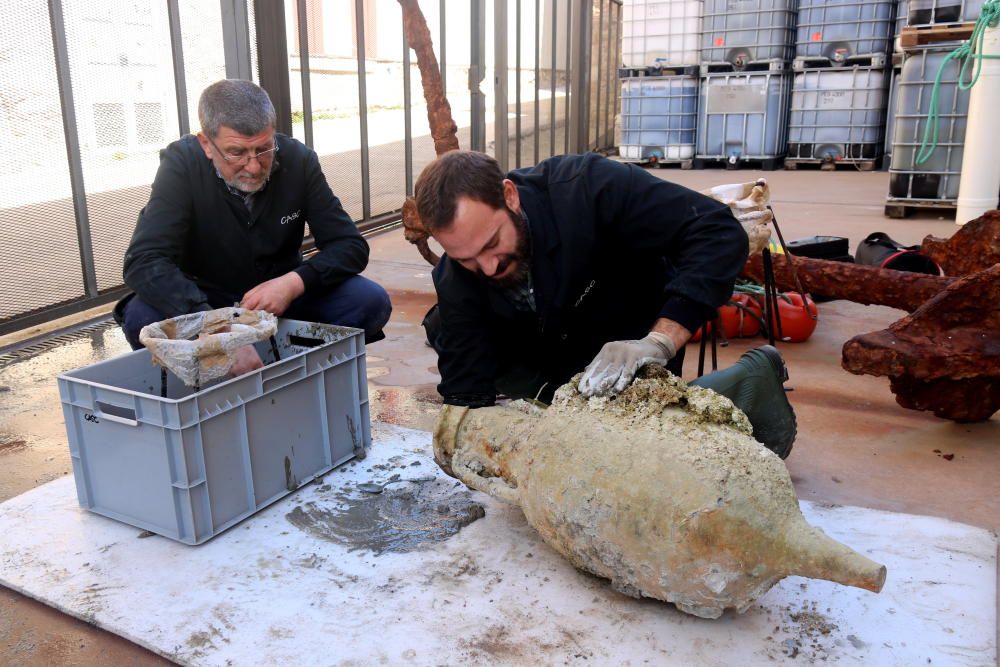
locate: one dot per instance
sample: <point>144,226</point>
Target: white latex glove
<point>613,369</point>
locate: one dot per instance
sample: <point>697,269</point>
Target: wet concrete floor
<point>855,445</point>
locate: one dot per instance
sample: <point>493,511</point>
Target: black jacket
<point>613,249</point>
<point>195,236</point>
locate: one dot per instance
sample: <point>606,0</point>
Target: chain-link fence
<point>91,90</point>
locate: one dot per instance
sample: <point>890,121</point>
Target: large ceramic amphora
<point>660,489</point>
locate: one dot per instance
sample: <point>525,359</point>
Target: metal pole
<point>407,120</point>
<point>552,79</point>
<point>359,28</point>
<point>538,51</point>
<point>580,117</point>
<point>477,72</point>
<point>517,86</point>
<point>600,66</point>
<point>177,55</point>
<point>307,120</point>
<point>66,103</point>
<point>444,50</point>
<point>569,59</point>
<point>272,60</point>
<point>236,39</point>
<point>501,140</point>
<point>614,48</point>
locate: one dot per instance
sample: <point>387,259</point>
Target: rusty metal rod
<point>867,285</point>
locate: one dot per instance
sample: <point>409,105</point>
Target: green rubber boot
<point>754,385</point>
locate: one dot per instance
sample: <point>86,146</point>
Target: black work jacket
<point>195,236</point>
<point>613,249</point>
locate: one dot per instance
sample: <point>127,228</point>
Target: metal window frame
<point>501,135</point>
<point>477,73</point>
<point>573,20</point>
<point>304,71</point>
<point>236,39</point>
<point>272,60</point>
<point>72,140</point>
<point>362,57</point>
<point>177,59</point>
<point>579,120</point>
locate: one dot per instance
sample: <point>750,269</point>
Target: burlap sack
<point>201,347</point>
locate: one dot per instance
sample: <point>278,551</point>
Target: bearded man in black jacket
<point>582,264</point>
<point>225,223</point>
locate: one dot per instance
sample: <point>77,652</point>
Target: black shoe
<point>755,385</point>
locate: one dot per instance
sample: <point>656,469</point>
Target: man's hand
<point>618,361</point>
<point>247,360</point>
<point>275,295</point>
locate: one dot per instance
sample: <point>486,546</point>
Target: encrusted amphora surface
<point>661,489</point>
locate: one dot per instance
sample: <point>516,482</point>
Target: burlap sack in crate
<point>201,347</point>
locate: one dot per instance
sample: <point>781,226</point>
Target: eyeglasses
<point>242,158</point>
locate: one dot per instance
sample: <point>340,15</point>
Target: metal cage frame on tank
<point>890,112</point>
<point>824,32</point>
<point>935,22</point>
<point>931,12</point>
<point>761,110</point>
<point>936,184</point>
<point>651,119</point>
<point>668,34</point>
<point>832,121</point>
<point>902,12</point>
<point>733,36</point>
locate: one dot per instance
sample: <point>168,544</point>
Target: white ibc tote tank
<point>657,33</point>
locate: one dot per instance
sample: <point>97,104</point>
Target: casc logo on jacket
<point>285,219</point>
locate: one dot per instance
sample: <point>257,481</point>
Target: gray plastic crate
<point>190,465</point>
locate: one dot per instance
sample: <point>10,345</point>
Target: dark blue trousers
<point>356,302</point>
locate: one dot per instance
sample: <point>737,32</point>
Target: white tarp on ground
<point>333,576</point>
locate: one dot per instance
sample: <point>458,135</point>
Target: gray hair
<point>238,104</point>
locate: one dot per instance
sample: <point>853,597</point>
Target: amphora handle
<point>463,460</point>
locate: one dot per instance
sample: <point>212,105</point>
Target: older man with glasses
<point>225,223</point>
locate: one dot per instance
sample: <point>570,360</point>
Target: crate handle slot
<point>304,341</point>
<point>116,413</point>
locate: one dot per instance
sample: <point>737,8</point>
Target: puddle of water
<point>398,520</point>
<point>33,444</point>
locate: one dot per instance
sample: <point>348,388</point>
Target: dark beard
<point>522,255</point>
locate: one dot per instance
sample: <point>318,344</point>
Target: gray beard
<point>243,187</point>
